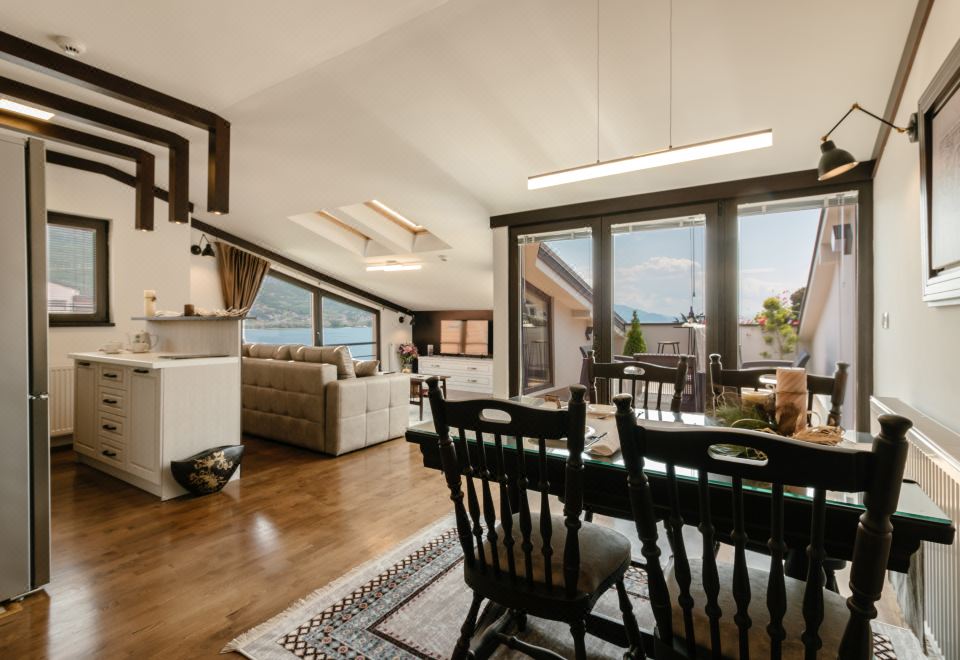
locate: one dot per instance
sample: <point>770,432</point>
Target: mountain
<point>626,313</point>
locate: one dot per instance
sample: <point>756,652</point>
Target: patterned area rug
<point>410,603</point>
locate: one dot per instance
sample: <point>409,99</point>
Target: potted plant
<point>408,353</point>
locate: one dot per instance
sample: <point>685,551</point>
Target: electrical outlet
<point>885,320</point>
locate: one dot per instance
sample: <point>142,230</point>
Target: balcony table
<point>917,518</point>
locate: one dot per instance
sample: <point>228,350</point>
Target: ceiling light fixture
<point>669,156</point>
<point>394,266</point>
<point>385,210</point>
<point>835,161</point>
<point>22,109</point>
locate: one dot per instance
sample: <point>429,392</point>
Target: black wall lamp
<point>202,250</point>
<point>834,161</point>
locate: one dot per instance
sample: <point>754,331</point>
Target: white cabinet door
<point>143,431</point>
<point>85,409</point>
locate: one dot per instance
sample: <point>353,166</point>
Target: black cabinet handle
<point>109,375</point>
<point>109,427</point>
<point>83,364</point>
<point>141,371</point>
<point>109,454</point>
<point>112,402</point>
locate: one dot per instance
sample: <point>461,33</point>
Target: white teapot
<point>142,342</point>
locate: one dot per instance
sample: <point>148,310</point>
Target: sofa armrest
<point>364,411</point>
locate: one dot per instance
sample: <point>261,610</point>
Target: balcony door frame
<point>719,201</point>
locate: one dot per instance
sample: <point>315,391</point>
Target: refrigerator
<point>24,421</point>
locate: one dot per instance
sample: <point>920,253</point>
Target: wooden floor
<point>136,578</point>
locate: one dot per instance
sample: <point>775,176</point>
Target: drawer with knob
<point>112,401</point>
<point>110,453</point>
<point>110,426</point>
<point>111,376</point>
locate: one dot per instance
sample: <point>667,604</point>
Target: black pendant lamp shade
<point>834,161</point>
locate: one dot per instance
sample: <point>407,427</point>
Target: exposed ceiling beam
<point>143,212</point>
<point>97,167</point>
<point>38,58</point>
<point>179,147</point>
<point>907,57</point>
<point>270,255</point>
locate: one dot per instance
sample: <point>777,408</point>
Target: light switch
<point>885,320</point>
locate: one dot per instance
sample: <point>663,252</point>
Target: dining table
<point>916,520</point>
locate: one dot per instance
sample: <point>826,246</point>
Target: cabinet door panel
<point>85,409</point>
<point>143,430</point>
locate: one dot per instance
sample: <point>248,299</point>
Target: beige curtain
<point>241,275</point>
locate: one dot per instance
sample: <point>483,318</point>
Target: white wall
<point>158,260</point>
<point>917,358</point>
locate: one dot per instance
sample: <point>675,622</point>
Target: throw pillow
<point>344,362</point>
<point>365,368</point>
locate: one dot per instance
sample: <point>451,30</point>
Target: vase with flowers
<point>408,353</point>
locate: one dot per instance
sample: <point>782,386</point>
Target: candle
<point>791,412</point>
<point>149,303</point>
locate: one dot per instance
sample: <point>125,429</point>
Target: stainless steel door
<point>15,481</point>
<point>39,400</point>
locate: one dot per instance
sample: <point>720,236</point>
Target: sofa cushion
<point>335,355</point>
<point>272,351</point>
<point>365,368</point>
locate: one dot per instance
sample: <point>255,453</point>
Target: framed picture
<point>939,136</point>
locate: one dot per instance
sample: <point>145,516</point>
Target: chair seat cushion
<point>604,553</point>
<point>835,614</point>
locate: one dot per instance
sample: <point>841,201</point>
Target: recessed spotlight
<point>28,110</point>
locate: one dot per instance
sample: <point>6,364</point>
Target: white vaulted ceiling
<point>441,109</point>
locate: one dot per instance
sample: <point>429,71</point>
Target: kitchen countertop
<point>150,360</point>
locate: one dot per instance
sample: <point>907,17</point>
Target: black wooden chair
<point>639,379</point>
<point>748,379</point>
<point>534,563</point>
<point>706,608</point>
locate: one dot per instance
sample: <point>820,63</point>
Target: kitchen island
<point>136,412</point>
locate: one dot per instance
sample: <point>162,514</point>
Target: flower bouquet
<point>408,353</point>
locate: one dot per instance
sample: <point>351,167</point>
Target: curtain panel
<point>241,275</point>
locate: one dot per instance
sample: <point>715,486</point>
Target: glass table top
<point>913,503</point>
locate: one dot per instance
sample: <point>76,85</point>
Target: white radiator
<point>61,400</point>
<point>935,465</point>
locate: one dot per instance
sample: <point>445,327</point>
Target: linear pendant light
<point>670,156</point>
<point>23,109</point>
<point>700,150</point>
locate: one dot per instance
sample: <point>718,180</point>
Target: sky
<point>652,268</point>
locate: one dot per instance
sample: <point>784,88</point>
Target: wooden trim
<point>391,215</point>
<point>907,57</point>
<point>756,189</point>
<point>101,228</point>
<point>342,225</point>
<point>179,147</point>
<point>30,55</point>
<point>97,167</point>
<point>143,214</point>
<point>294,265</point>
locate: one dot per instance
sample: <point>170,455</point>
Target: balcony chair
<point>707,608</point>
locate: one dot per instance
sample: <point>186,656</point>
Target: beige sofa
<point>310,396</point>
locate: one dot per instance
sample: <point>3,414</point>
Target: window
<point>288,311</point>
<point>350,324</point>
<point>283,313</point>
<point>77,270</point>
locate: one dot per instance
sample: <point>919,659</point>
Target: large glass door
<point>556,300</point>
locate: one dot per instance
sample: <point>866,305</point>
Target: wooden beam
<point>38,58</point>
<point>97,167</point>
<point>907,57</point>
<point>295,265</point>
<point>801,183</point>
<point>179,147</point>
<point>143,213</point>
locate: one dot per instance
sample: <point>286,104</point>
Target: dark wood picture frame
<point>101,313</point>
<point>941,285</point>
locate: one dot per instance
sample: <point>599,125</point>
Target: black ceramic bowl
<point>208,471</point>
